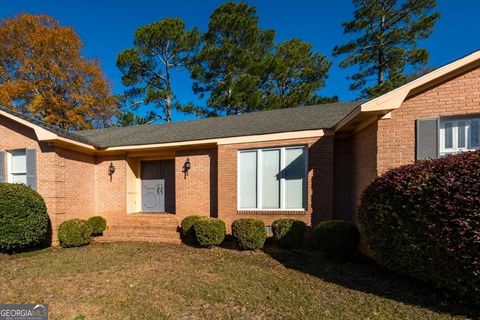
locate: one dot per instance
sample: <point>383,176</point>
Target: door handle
<point>161,190</point>
<point>158,190</point>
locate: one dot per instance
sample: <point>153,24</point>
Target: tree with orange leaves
<point>42,73</point>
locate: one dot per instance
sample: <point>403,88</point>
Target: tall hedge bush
<point>423,219</point>
<point>24,220</point>
<point>249,233</point>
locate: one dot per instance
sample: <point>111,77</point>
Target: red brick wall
<point>319,186</point>
<point>110,194</point>
<point>364,161</point>
<point>74,175</point>
<point>343,183</point>
<point>395,137</point>
<point>196,192</point>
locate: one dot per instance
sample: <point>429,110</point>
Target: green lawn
<point>160,281</point>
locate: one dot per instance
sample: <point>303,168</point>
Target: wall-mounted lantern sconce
<point>187,166</point>
<point>111,170</point>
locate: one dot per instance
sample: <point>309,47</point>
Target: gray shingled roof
<point>262,122</point>
<point>324,116</point>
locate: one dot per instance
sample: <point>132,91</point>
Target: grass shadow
<point>230,244</point>
<point>364,275</point>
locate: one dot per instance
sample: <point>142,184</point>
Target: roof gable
<point>380,106</point>
<point>43,131</point>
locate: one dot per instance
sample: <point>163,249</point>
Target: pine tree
<point>240,69</point>
<point>159,49</point>
<point>297,73</point>
<point>387,32</point>
<point>232,65</point>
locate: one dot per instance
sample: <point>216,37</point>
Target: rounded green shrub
<point>209,232</point>
<point>74,233</point>
<point>99,224</point>
<point>186,228</point>
<point>423,220</point>
<point>249,233</point>
<point>337,239</point>
<point>289,233</point>
<point>24,222</point>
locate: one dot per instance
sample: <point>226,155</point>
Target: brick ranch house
<point>309,163</point>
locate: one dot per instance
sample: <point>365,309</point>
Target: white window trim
<point>10,173</point>
<point>282,180</point>
<point>455,149</point>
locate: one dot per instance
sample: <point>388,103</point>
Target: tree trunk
<point>231,109</point>
<point>381,67</point>
<point>168,100</point>
<point>168,109</point>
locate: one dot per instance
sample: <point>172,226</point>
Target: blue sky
<point>107,27</point>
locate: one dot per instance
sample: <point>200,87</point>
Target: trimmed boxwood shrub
<point>249,233</point>
<point>423,220</point>
<point>289,233</point>
<point>209,232</point>
<point>99,224</point>
<point>186,228</point>
<point>337,239</point>
<point>74,233</point>
<point>24,222</point>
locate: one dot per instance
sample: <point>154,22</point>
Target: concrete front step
<point>142,227</point>
<point>165,228</point>
<point>140,233</point>
<point>153,220</point>
<point>167,234</point>
<point>138,238</point>
<point>159,238</point>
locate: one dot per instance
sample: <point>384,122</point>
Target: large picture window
<point>459,134</point>
<point>272,179</point>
